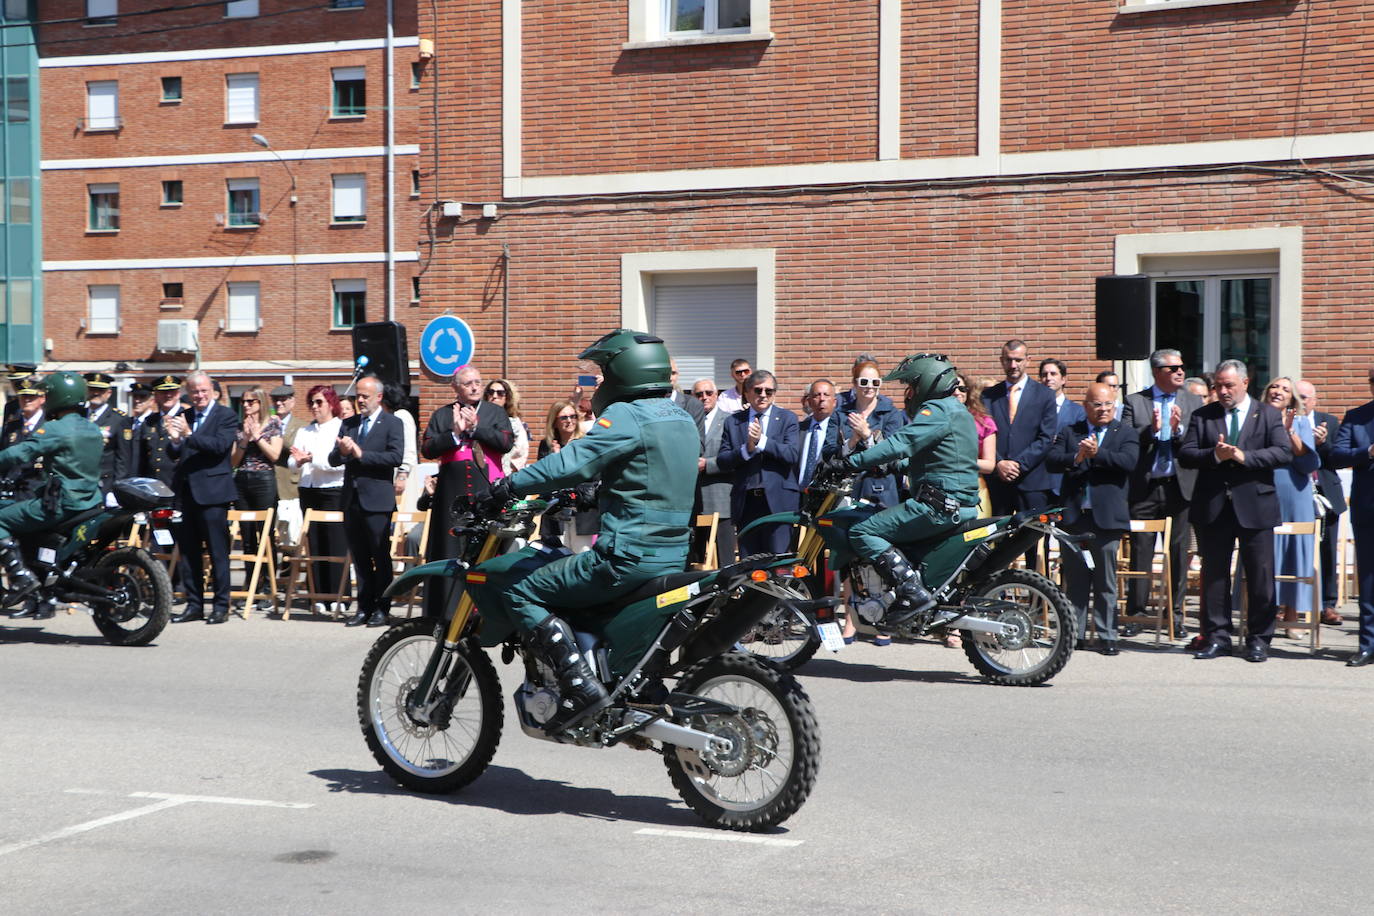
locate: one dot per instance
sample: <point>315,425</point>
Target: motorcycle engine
<point>869,608</point>
<point>535,704</point>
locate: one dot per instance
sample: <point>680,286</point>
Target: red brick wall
<point>1080,75</point>
<point>940,78</point>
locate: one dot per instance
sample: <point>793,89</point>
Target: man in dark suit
<point>371,445</point>
<point>690,404</point>
<point>151,447</point>
<point>112,424</point>
<point>201,440</point>
<point>820,436</point>
<point>1234,444</point>
<point>759,444</point>
<point>1053,374</point>
<point>467,438</point>
<point>713,484</point>
<point>1354,449</point>
<point>1027,420</point>
<point>1160,486</point>
<point>1324,429</point>
<point>1096,456</point>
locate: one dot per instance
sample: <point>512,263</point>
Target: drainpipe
<point>390,188</point>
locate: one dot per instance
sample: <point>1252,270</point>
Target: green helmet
<point>64,390</point>
<point>930,375</point>
<point>633,365</point>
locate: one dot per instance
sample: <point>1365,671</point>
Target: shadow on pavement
<point>510,790</point>
<point>38,636</point>
<point>867,674</point>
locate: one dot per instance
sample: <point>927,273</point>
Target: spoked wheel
<point>143,597</point>
<point>1039,640</point>
<point>456,746</point>
<point>765,762</point>
<point>786,637</point>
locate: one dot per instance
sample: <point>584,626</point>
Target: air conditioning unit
<point>177,336</point>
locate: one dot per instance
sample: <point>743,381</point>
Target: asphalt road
<point>222,771</point>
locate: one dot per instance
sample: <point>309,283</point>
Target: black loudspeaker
<point>1123,317</point>
<point>384,345</point>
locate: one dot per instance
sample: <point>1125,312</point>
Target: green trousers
<point>585,580</point>
<point>24,517</point>
<point>904,523</point>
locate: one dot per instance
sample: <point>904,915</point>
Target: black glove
<point>838,467</point>
<point>498,496</point>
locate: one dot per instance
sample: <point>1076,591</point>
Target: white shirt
<point>1244,407</point>
<point>763,439</point>
<point>817,430</point>
<point>730,401</point>
<point>408,456</point>
<point>319,440</point>
<point>33,421</point>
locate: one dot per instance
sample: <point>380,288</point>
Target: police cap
<point>99,380</point>
<point>17,372</point>
<point>31,385</point>
<point>166,383</point>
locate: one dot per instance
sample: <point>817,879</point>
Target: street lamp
<point>260,140</point>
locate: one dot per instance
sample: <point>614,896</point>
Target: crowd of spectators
<point>1199,450</point>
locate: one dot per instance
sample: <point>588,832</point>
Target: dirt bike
<point>739,738</point>
<point>1016,625</point>
<point>127,592</point>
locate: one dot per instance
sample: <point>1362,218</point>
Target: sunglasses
<point>496,392</point>
<point>565,416</point>
<point>769,392</point>
<point>702,394</point>
<point>869,382</point>
<point>250,400</point>
<point>961,388</point>
<point>318,402</point>
<point>1178,368</point>
<point>743,371</point>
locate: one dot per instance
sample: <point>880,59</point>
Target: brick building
<point>215,184</point>
<point>796,181</point>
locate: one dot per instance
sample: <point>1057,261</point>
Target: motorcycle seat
<point>660,584</point>
<point>82,517</point>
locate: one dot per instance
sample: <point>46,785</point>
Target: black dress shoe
<point>1257,651</point>
<point>1212,650</point>
<point>189,615</point>
<point>357,619</point>
<point>1130,629</point>
<point>1080,645</point>
<point>1361,659</point>
<point>219,615</point>
<point>45,610</point>
<point>378,619</point>
<point>1109,647</point>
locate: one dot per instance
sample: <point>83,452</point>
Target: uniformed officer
<point>151,447</point>
<point>29,415</point>
<point>644,449</point>
<point>15,373</point>
<point>71,448</point>
<point>111,422</point>
<point>940,448</point>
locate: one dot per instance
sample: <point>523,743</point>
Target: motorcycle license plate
<point>830,635</point>
<point>162,537</point>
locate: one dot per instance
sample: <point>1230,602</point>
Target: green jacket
<point>71,447</point>
<point>939,446</point>
<point>645,454</point>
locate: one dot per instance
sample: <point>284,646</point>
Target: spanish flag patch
<point>925,411</point>
<point>476,578</point>
<point>604,422</point>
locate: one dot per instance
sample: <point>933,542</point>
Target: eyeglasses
<point>744,371</point>
<point>1178,368</point>
<point>318,402</point>
<point>1100,405</point>
<point>565,416</point>
<point>864,382</point>
<point>767,392</point>
<point>702,394</point>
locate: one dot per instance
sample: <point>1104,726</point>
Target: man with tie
<point>690,404</point>
<point>201,440</point>
<point>1096,455</point>
<point>1160,486</point>
<point>759,444</point>
<point>112,424</point>
<point>371,445</point>
<point>713,484</point>
<point>1324,429</point>
<point>1053,374</point>
<point>1234,444</point>
<point>821,437</point>
<point>1354,449</point>
<point>1027,420</point>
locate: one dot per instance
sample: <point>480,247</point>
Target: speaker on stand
<point>384,345</point>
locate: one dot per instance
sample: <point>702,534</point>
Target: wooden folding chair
<point>253,562</point>
<point>401,524</point>
<point>711,523</point>
<point>1161,579</point>
<point>1313,613</point>
<point>304,561</point>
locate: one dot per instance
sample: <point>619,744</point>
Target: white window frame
<point>1149,6</point>
<point>232,185</point>
<point>345,285</point>
<point>239,294</point>
<point>637,272</point>
<point>342,187</point>
<point>648,27</point>
<point>339,75</point>
<point>101,189</point>
<point>107,322</point>
<point>240,9</point>
<point>102,12</point>
<point>102,116</point>
<point>236,87</point>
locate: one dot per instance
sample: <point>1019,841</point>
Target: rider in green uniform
<point>644,450</point>
<point>71,448</point>
<point>939,447</point>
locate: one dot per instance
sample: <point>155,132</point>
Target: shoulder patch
<point>38,431</point>
<point>925,411</point>
<point>604,422</point>
<point>128,433</point>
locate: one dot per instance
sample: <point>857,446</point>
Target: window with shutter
<point>350,303</point>
<point>104,309</point>
<point>350,198</point>
<point>706,320</point>
<point>102,12</point>
<point>241,98</point>
<point>243,307</point>
<point>103,213</point>
<point>243,202</point>
<point>102,105</point>
<point>350,92</point>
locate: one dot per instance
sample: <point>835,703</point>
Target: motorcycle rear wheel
<point>1044,647</point>
<point>147,590</point>
<point>775,745</point>
<point>428,758</point>
<point>786,638</point>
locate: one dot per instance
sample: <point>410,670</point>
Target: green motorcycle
<point>739,737</point>
<point>1016,625</point>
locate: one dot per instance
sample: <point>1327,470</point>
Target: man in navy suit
<point>1354,449</point>
<point>201,440</point>
<point>1096,456</point>
<point>371,445</point>
<point>760,445</point>
<point>1235,443</point>
<point>820,438</point>
<point>1324,429</point>
<point>1027,420</point>
<point>1053,375</point>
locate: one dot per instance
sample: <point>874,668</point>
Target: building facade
<point>797,182</point>
<point>20,216</point>
<point>227,186</point>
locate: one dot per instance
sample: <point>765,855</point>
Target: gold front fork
<point>811,544</point>
<point>464,609</point>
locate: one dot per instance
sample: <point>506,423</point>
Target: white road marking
<point>721,837</point>
<point>164,801</point>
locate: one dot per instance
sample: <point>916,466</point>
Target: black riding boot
<point>22,582</point>
<point>910,595</point>
<point>580,690</point>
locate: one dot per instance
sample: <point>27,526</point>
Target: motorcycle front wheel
<point>786,637</point>
<point>1040,637</point>
<point>143,593</point>
<point>769,752</point>
<point>452,750</point>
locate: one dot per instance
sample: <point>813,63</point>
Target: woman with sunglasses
<point>505,395</point>
<point>321,484</point>
<point>987,439</point>
<point>255,457</point>
<point>561,427</point>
